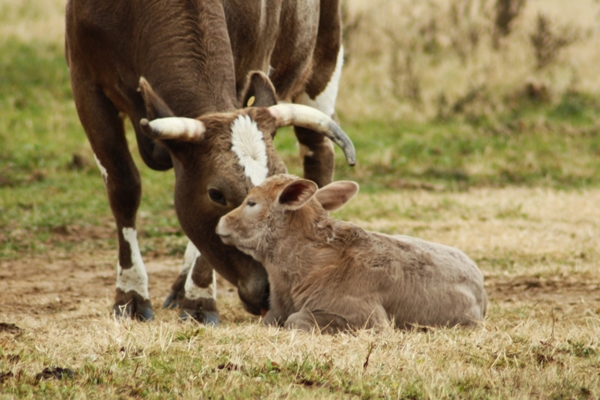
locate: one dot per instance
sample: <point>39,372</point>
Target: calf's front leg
<point>323,321</point>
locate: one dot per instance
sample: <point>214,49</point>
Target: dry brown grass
<point>32,20</point>
<point>446,48</point>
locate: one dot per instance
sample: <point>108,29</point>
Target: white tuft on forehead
<point>249,145</point>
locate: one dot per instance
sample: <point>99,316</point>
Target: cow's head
<point>218,158</point>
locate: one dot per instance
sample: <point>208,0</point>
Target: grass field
<point>510,178</point>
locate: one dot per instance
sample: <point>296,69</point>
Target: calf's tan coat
<point>334,275</point>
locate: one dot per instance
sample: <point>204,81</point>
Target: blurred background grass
<point>439,95</point>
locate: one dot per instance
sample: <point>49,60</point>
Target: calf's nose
<point>223,231</point>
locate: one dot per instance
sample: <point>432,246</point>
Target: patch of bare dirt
<point>69,286</point>
<point>553,291</point>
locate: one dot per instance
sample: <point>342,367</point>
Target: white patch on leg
<point>134,278</point>
<point>195,292</point>
<point>325,101</point>
<point>189,257</point>
<point>249,145</point>
<point>102,169</point>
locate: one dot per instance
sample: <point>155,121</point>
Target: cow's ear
<point>259,91</point>
<point>155,106</point>
<point>333,196</point>
<point>297,193</point>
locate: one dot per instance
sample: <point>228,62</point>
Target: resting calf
<point>334,275</point>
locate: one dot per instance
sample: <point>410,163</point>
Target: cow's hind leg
<point>317,151</point>
<point>194,290</point>
<point>321,93</point>
<point>105,130</point>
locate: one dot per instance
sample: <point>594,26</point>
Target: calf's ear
<point>259,91</point>
<point>297,193</point>
<point>336,194</point>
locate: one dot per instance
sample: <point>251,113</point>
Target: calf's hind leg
<point>106,134</point>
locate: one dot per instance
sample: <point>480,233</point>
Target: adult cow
<point>197,59</point>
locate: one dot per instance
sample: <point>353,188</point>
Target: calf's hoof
<point>132,305</point>
<point>202,310</point>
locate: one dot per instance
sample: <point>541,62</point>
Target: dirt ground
<point>61,288</point>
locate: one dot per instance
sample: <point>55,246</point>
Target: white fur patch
<point>102,169</point>
<point>189,257</point>
<point>325,101</point>
<point>194,292</point>
<point>249,145</point>
<point>134,278</point>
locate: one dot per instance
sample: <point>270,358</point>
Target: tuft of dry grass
<point>463,57</point>
<point>32,20</point>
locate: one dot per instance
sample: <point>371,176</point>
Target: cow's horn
<point>176,128</point>
<point>311,118</point>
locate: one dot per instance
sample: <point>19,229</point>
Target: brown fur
<point>323,271</point>
<point>197,55</point>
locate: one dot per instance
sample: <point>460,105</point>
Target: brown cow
<point>199,55</point>
<point>334,275</point>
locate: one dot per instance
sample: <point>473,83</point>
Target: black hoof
<point>203,316</point>
<point>132,305</point>
<point>172,300</point>
<point>211,318</point>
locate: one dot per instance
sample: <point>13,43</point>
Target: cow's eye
<point>217,196</point>
<point>250,203</point>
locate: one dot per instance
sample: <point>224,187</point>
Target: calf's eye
<point>217,196</point>
<point>250,203</point>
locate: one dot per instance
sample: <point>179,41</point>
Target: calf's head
<point>281,205</point>
<point>218,158</point>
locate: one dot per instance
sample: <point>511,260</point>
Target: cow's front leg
<point>106,134</point>
<point>132,298</point>
<point>177,293</point>
<point>198,297</point>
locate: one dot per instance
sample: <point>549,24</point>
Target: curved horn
<point>311,118</point>
<point>177,128</point>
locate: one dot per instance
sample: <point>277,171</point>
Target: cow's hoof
<point>132,305</point>
<point>177,293</point>
<point>172,300</point>
<point>202,310</point>
<point>211,318</point>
